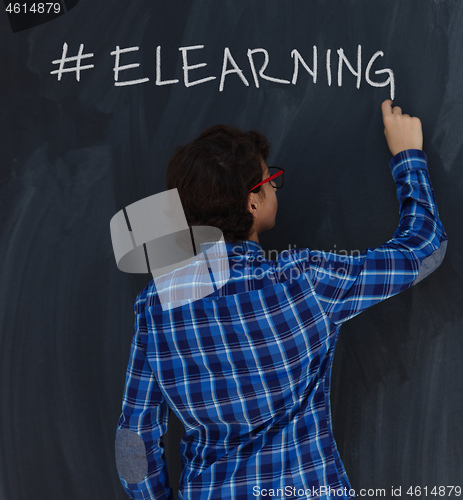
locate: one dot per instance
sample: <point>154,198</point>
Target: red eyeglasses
<point>276,178</point>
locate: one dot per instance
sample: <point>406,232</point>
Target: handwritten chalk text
<point>258,60</point>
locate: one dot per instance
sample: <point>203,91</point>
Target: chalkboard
<point>94,101</point>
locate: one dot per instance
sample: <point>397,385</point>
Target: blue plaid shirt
<point>247,368</point>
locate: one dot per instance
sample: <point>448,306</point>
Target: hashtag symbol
<point>78,58</point>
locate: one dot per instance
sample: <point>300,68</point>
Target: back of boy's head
<point>213,175</point>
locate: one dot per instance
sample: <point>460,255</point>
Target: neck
<point>254,237</point>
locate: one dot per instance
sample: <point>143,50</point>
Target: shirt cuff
<point>407,160</point>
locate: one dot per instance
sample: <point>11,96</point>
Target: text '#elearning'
<point>258,59</point>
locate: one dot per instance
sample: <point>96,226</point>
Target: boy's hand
<point>401,131</point>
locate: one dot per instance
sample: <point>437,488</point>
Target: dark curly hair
<point>213,175</point>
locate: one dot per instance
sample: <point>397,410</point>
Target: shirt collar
<point>246,247</point>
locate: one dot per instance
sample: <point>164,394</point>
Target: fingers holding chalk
<point>401,130</point>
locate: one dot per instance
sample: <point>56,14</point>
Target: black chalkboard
<point>78,146</point>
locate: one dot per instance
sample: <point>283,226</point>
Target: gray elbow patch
<point>429,264</point>
<point>131,462</point>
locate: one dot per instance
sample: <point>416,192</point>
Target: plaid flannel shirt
<point>247,368</point>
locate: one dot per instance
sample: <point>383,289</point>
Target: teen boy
<point>247,368</point>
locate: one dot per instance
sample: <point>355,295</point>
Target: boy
<point>247,368</point>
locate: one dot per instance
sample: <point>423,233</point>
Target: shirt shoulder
<point>143,296</point>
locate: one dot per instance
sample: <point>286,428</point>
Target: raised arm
<point>348,285</point>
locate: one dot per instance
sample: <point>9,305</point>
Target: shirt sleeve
<point>347,285</point>
<point>139,451</point>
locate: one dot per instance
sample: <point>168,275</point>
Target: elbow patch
<point>131,462</point>
<point>431,263</point>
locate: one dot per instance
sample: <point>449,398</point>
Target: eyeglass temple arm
<point>267,180</point>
